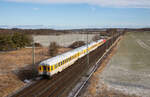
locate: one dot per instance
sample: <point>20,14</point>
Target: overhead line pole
<point>87,51</point>
<point>33,52</point>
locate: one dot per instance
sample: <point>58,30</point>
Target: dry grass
<point>18,61</point>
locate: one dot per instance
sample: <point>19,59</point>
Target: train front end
<point>44,70</point>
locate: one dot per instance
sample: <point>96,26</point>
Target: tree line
<point>34,31</point>
<point>14,41</point>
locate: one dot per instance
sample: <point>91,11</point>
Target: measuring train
<point>56,64</point>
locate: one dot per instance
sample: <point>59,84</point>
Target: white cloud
<point>35,8</point>
<point>107,3</point>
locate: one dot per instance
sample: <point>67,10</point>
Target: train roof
<point>65,55</point>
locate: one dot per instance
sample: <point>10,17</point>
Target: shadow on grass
<point>27,73</point>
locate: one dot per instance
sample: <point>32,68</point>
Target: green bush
<point>6,43</point>
<point>14,41</point>
<point>21,40</point>
<point>77,44</point>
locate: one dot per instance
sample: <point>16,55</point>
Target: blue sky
<point>75,14</point>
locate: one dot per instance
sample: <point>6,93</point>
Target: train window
<point>51,68</point>
<point>40,68</point>
<point>55,66</point>
<point>44,67</point>
<point>48,68</point>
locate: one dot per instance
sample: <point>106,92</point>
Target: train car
<point>56,64</point>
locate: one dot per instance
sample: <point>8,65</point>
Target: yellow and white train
<point>56,64</point>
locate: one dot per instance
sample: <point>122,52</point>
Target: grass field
<point>129,68</point>
<point>63,40</point>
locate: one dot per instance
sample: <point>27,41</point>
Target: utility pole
<point>33,52</point>
<point>87,50</point>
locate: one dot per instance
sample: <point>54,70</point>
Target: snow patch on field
<point>129,88</point>
<point>142,44</point>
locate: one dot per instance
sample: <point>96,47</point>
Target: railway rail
<point>77,92</point>
<point>60,84</point>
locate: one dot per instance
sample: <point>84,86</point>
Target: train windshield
<point>44,67</point>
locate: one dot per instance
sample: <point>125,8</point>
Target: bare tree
<point>53,49</point>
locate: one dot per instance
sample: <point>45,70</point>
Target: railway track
<point>60,84</point>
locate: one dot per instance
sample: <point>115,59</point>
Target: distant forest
<point>59,32</point>
<point>33,31</point>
